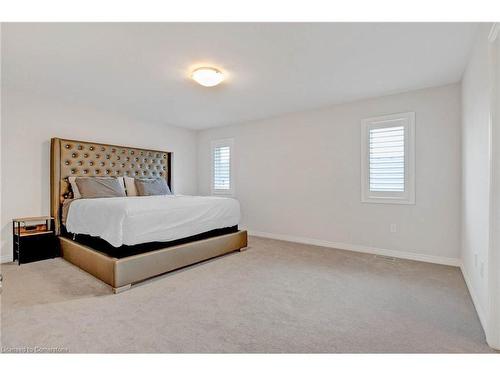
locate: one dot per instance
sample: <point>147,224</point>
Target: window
<point>388,159</point>
<point>222,171</point>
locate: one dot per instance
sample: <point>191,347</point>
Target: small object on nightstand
<point>34,239</point>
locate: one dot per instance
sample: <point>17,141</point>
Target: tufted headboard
<point>80,158</point>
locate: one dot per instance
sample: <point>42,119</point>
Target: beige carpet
<point>275,297</point>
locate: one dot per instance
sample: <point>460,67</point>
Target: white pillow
<point>76,192</point>
<point>130,185</point>
<point>74,187</point>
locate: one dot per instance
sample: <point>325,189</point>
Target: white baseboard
<point>360,248</point>
<point>6,258</point>
<point>475,300</point>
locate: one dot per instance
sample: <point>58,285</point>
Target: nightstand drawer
<point>39,247</point>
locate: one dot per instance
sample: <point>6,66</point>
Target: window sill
<point>222,193</point>
<point>388,201</point>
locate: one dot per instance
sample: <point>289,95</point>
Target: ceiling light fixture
<point>207,77</point>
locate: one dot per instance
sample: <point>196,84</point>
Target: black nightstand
<point>34,239</point>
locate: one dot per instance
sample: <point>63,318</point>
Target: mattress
<point>137,220</point>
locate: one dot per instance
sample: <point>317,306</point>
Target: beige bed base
<point>121,273</point>
<point>79,158</point>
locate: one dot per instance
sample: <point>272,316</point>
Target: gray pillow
<point>152,186</point>
<point>100,187</point>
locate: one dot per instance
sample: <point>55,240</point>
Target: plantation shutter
<point>387,159</point>
<point>222,168</point>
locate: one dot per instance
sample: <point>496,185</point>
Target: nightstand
<point>34,239</point>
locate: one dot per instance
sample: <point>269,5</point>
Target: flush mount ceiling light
<point>207,77</point>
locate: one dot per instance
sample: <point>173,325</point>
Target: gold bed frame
<point>81,158</point>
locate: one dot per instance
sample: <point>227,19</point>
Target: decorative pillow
<point>76,192</point>
<point>152,186</point>
<point>74,187</point>
<point>100,187</point>
<point>130,186</point>
<point>65,210</point>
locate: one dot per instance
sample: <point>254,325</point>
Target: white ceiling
<point>142,69</point>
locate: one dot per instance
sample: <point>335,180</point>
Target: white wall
<point>28,123</point>
<point>494,258</point>
<point>476,148</point>
<point>299,175</point>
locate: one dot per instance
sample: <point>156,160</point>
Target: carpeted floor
<point>275,297</point>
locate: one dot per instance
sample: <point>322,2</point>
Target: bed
<point>124,240</point>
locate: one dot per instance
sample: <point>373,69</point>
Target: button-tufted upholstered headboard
<point>81,158</point>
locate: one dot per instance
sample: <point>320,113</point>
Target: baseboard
<point>6,258</point>
<point>475,300</point>
<point>360,248</point>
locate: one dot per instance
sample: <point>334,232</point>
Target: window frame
<point>387,121</point>
<point>229,142</point>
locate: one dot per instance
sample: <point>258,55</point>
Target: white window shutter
<point>387,159</point>
<point>222,168</point>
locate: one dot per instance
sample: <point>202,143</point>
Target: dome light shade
<point>207,77</point>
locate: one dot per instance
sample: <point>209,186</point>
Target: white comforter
<point>135,220</point>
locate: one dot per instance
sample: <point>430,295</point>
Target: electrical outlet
<point>394,229</point>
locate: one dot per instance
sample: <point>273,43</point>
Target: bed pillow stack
<point>152,186</point>
<point>106,187</point>
<point>98,187</point>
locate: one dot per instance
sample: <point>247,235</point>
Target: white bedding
<point>135,220</point>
